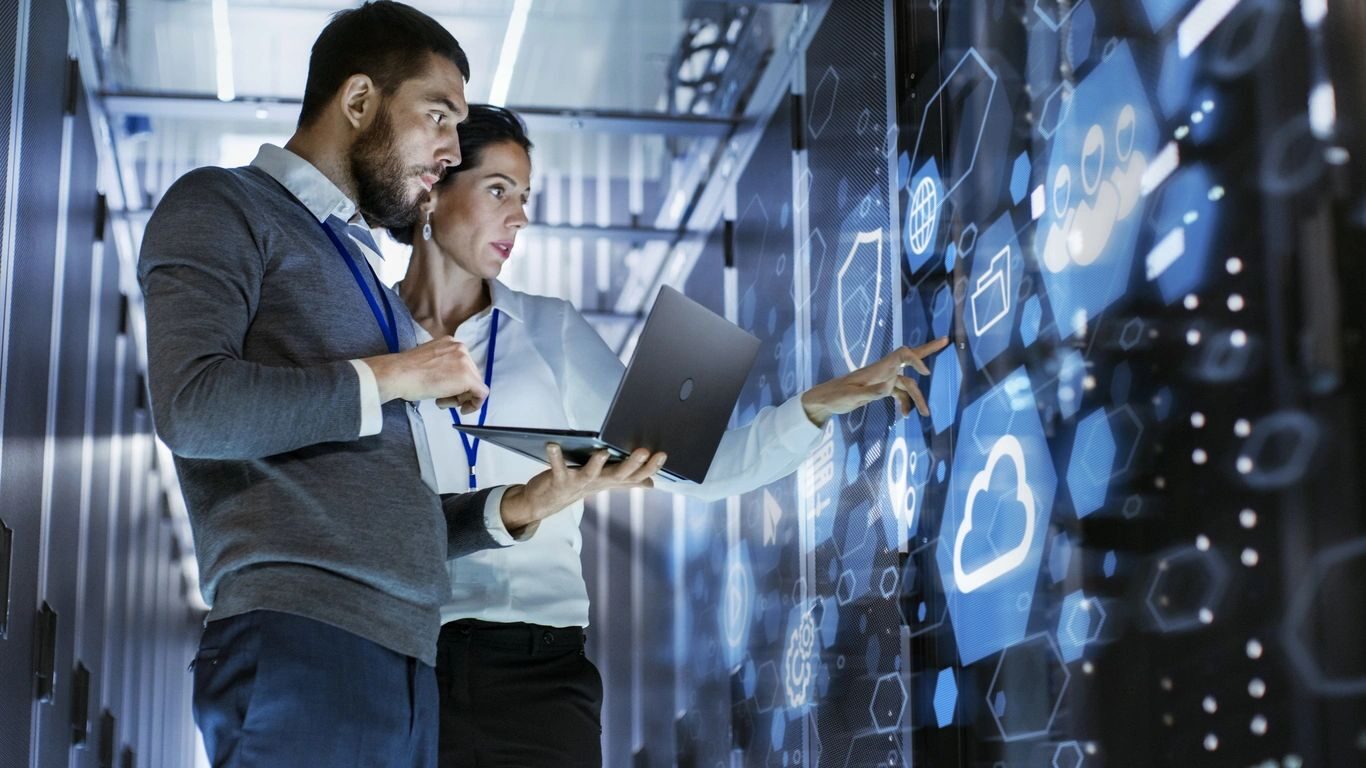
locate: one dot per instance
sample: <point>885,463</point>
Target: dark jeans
<point>517,695</point>
<point>273,689</point>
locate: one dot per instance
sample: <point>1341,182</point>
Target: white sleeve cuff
<point>493,520</point>
<point>371,416</point>
<point>793,428</point>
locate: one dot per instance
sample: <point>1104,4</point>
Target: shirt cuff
<point>793,427</point>
<point>493,520</point>
<point>371,415</point>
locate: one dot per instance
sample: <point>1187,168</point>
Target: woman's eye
<point>437,117</point>
<point>497,192</point>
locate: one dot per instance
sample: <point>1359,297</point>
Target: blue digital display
<point>1077,558</point>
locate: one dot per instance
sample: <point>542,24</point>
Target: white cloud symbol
<point>1009,447</point>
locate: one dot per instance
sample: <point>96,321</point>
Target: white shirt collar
<point>306,182</point>
<point>506,300</point>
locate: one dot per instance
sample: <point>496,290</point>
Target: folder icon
<point>991,297</point>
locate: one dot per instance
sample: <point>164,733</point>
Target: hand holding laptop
<point>562,485</point>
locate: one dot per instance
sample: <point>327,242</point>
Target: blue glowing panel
<point>1093,458</point>
<point>945,381</point>
<point>996,518</point>
<point>926,190</point>
<point>993,294</point>
<point>1085,240</point>
<point>945,697</point>
<point>1186,219</point>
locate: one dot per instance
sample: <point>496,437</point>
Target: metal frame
<point>195,106</point>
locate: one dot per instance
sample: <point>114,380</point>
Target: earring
<point>427,227</point>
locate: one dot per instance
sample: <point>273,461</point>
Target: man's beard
<point>381,180</point>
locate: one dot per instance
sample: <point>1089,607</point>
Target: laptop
<point>676,396</point>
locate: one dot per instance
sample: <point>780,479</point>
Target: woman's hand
<point>561,485</point>
<point>874,382</point>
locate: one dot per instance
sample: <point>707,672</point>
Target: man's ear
<point>359,100</point>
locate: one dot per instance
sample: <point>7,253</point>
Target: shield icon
<point>859,285</point>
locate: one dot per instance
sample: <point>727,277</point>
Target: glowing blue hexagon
<point>1059,557</point>
<point>1085,239</point>
<point>1019,178</point>
<point>944,386</point>
<point>1187,217</point>
<point>1159,12</point>
<point>1176,80</point>
<point>1003,483</point>
<point>925,195</point>
<point>1081,33</point>
<point>1093,459</point>
<point>945,697</point>
<point>1079,622</point>
<point>737,604</point>
<point>1071,378</point>
<point>1030,319</point>
<point>888,703</point>
<point>966,94</point>
<point>941,312</point>
<point>992,300</point>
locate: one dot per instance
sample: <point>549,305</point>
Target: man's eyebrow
<point>446,102</point>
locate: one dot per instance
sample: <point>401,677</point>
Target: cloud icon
<point>1009,447</point>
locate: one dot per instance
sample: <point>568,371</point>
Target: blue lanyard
<point>472,444</point>
<point>387,325</point>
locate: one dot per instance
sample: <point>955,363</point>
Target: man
<point>282,376</point>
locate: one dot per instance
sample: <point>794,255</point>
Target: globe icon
<point>921,219</point>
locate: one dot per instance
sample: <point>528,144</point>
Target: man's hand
<point>439,369</point>
<point>558,487</point>
<point>873,382</point>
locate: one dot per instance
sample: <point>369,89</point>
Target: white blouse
<point>552,370</point>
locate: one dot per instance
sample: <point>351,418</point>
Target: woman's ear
<point>426,203</point>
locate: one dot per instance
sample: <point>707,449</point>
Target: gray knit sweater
<point>251,319</point>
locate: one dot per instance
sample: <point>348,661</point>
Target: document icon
<point>991,297</point>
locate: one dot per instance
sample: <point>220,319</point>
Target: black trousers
<point>517,695</point>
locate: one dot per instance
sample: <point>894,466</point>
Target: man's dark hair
<point>385,40</point>
<point>486,125</point>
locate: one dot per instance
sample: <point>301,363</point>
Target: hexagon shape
<point>1055,108</point>
<point>737,604</point>
<point>1003,456</point>
<point>823,101</point>
<point>944,390</point>
<point>1086,237</point>
<point>921,611</point>
<point>1080,622</point>
<point>1093,458</point>
<point>1053,13</point>
<point>1068,755</point>
<point>1328,565</point>
<point>1031,319</point>
<point>993,292</point>
<point>767,686</point>
<point>1186,586</point>
<point>1059,557</point>
<point>1081,33</point>
<point>1020,697</point>
<point>1019,178</point>
<point>962,85</point>
<point>888,704</point>
<point>945,697</point>
<point>920,230</point>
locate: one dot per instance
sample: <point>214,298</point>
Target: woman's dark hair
<point>486,125</point>
<point>385,40</point>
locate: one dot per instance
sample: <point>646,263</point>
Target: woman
<point>516,687</point>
